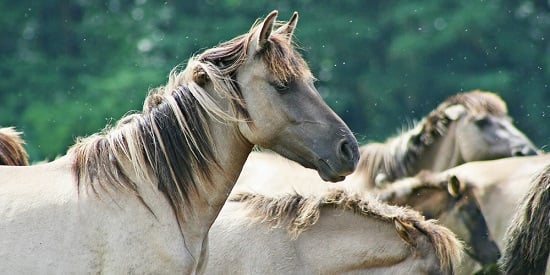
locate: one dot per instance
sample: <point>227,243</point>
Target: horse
<point>12,151</point>
<point>499,186</point>
<point>452,202</point>
<point>140,196</point>
<point>333,233</point>
<point>527,241</point>
<point>465,127</point>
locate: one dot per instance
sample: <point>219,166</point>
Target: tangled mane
<point>169,143</point>
<point>396,158</point>
<point>12,151</point>
<point>297,214</point>
<point>527,249</point>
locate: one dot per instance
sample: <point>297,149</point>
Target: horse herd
<point>177,187</point>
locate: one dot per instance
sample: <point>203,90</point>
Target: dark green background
<point>67,68</point>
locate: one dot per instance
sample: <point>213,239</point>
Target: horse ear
<point>454,112</point>
<point>264,31</point>
<point>404,231</point>
<point>288,28</point>
<point>454,186</point>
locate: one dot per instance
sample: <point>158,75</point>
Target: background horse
<point>465,127</point>
<point>499,186</point>
<point>12,151</point>
<point>330,234</point>
<point>527,244</point>
<point>141,196</point>
<point>454,204</point>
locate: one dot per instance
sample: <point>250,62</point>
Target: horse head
<point>453,203</point>
<point>469,127</point>
<point>286,113</point>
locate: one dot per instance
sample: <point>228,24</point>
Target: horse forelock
<point>12,151</point>
<point>476,103</point>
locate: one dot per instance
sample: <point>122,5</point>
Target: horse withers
<point>140,196</point>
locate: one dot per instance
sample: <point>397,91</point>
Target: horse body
<point>332,240</point>
<point>57,230</point>
<point>141,196</point>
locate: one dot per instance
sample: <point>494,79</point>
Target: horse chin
<point>327,173</point>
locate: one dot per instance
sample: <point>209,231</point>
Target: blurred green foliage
<point>70,67</point>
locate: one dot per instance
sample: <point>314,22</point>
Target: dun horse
<point>141,196</point>
<point>527,244</point>
<point>466,127</point>
<point>333,233</point>
<point>12,151</point>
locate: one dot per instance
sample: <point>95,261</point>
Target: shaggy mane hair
<point>397,156</point>
<point>527,246</point>
<point>297,213</point>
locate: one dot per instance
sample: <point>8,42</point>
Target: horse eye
<point>482,122</point>
<point>280,87</point>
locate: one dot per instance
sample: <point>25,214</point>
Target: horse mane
<point>12,151</point>
<point>169,143</point>
<point>396,158</point>
<point>527,249</point>
<point>297,213</point>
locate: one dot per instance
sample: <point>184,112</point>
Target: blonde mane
<point>397,156</point>
<point>12,151</point>
<point>169,143</point>
<point>297,214</point>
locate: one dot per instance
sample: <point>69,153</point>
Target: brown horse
<point>466,127</point>
<point>453,203</point>
<point>527,240</point>
<point>12,151</point>
<point>333,233</point>
<point>140,197</point>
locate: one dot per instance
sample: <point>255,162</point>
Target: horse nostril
<point>346,151</point>
<point>525,151</point>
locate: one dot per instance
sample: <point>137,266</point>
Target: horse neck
<point>356,250</point>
